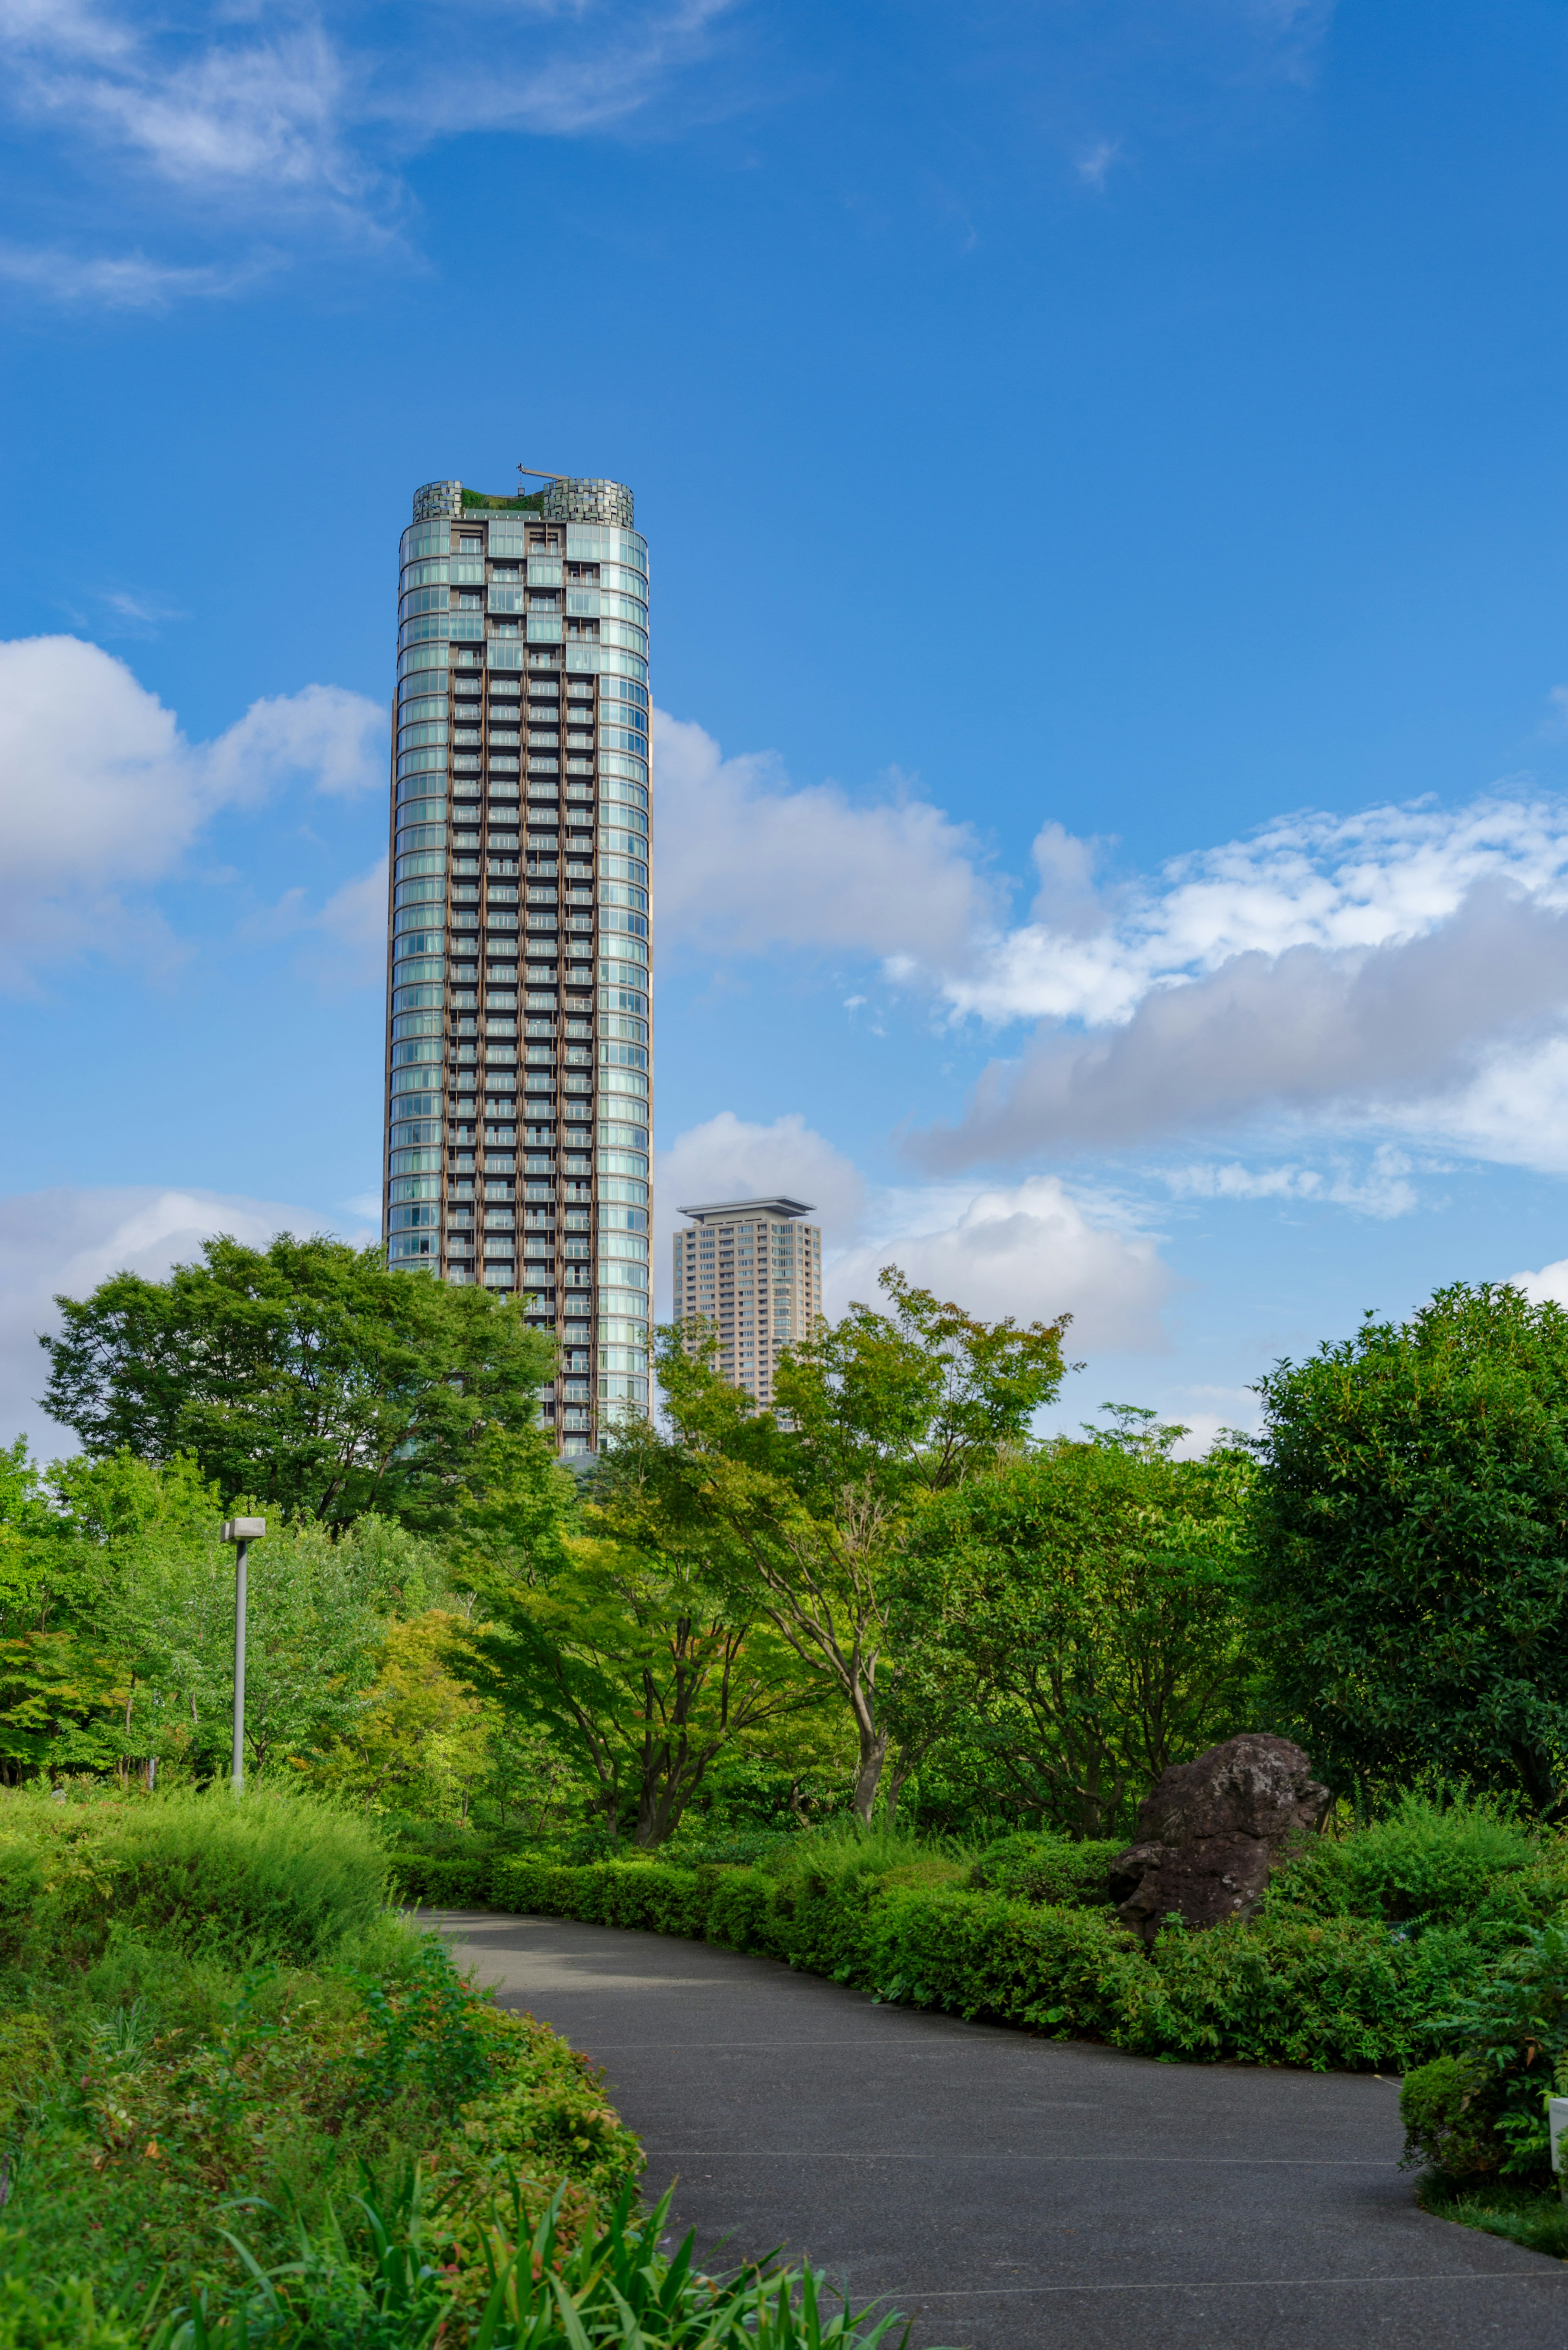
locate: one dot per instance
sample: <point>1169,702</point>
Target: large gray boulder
<point>1212,1831</point>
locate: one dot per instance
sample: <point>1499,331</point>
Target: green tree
<point>875,1412</point>
<point>59,1691</point>
<point>605,1627</point>
<point>306,1372</point>
<point>1414,1545</point>
<point>1081,1615</point>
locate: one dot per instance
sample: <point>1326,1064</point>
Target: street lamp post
<point>242,1533</point>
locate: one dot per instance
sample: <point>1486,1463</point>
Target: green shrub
<point>1449,2109</point>
<point>1428,1864</point>
<point>22,1892</point>
<point>1283,1988</point>
<point>436,1882</point>
<point>1049,1868</point>
<point>1514,2026</point>
<point>271,1877</point>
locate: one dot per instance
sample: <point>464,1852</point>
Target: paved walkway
<point>1012,2193</point>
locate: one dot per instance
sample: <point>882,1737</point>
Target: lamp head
<point>238,1530</point>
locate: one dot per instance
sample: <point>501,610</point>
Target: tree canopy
<point>1079,1615</point>
<point>1414,1545</point>
<point>804,1509</point>
<point>306,1372</point>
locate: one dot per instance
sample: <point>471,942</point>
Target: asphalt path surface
<point>1004,2191</point>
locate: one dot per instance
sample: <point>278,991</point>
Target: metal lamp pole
<point>242,1533</point>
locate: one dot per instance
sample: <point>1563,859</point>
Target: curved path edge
<point>1009,2192</point>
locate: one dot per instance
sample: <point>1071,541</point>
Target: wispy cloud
<point>282,119</point>
<point>1096,161</point>
<point>124,282</point>
<point>1382,1188</point>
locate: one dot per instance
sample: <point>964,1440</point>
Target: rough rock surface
<point>1212,1832</point>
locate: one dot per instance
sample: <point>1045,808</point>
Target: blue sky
<point>1104,471</point>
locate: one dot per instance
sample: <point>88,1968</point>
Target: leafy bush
<point>1431,1863</point>
<point>1048,1869</point>
<point>612,2285</point>
<point>1449,2109</point>
<point>1285,1988</point>
<point>279,1878</point>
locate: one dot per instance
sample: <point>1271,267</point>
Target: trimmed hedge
<point>1318,1991</point>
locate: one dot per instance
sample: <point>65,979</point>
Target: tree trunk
<point>869,1772</point>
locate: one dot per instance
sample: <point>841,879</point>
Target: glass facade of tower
<point>519,1043</point>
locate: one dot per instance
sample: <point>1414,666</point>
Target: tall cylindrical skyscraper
<point>519,1062</point>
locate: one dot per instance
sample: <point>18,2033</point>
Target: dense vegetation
<point>239,2105</point>
<point>873,1681</point>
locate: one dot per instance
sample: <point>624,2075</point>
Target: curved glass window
<point>611,787</point>
<point>416,1187</point>
<point>424,574</point>
<point>423,599</point>
<point>421,763</point>
<point>417,1023</point>
<point>419,811</point>
<point>627,844</point>
<point>412,737</point>
<point>420,703</point>
<point>417,999</point>
<point>415,1162</point>
<point>418,967</point>
<point>426,862</point>
<point>637,1030</point>
<point>619,738</point>
<point>403,1218</point>
<point>426,538</point>
<point>623,1056</point>
<point>622,688</point>
<point>418,836</point>
<point>620,869</point>
<point>618,1231</point>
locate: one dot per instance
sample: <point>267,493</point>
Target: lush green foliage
<point>1054,1869</point>
<point>1079,1614</point>
<point>1414,1537</point>
<point>805,1513</point>
<point>1304,1984</point>
<point>239,2107</point>
<point>274,1879</point>
<point>306,1371</point>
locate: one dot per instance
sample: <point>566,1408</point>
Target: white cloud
<point>1550,1282</point>
<point>1094,162</point>
<point>1384,1190</point>
<point>1405,967</point>
<point>1033,1250</point>
<point>101,793</point>
<point>64,1242</point>
<point>746,864</point>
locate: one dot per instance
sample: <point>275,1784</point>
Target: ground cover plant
<point>240,2104</point>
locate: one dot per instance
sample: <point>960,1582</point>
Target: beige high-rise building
<point>518,1050</point>
<point>754,1269</point>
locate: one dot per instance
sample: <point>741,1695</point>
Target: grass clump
<point>279,1878</point>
